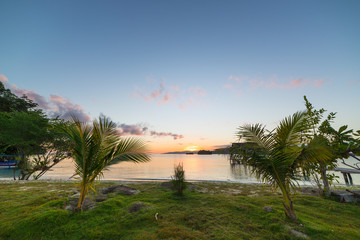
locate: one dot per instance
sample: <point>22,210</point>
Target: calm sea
<point>161,167</point>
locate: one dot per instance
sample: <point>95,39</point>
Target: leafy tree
<point>35,138</point>
<point>28,132</point>
<point>340,142</point>
<point>277,156</point>
<point>9,102</point>
<point>96,147</point>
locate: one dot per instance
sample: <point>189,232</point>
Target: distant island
<point>202,152</point>
<point>205,152</point>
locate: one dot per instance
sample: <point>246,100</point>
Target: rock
<point>296,233</point>
<point>72,204</point>
<point>120,189</point>
<point>267,209</point>
<point>101,198</point>
<point>137,206</point>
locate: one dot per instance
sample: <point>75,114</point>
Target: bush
<point>178,180</point>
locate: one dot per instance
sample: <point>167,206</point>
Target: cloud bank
<point>54,106</point>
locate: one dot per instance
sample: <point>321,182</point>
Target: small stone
<point>296,233</point>
<point>137,206</point>
<point>72,204</point>
<point>267,209</point>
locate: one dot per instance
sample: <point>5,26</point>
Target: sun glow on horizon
<point>191,148</point>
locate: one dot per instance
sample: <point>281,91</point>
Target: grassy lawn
<point>36,210</point>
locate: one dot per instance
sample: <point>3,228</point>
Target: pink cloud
<point>65,109</point>
<point>141,129</point>
<point>160,95</point>
<point>354,82</point>
<point>56,106</point>
<point>166,98</point>
<point>198,91</point>
<point>297,83</point>
<point>3,79</point>
<point>125,129</point>
<point>32,95</point>
<point>273,82</point>
<point>318,83</point>
<point>164,95</point>
<point>163,134</point>
<point>255,83</point>
<point>235,78</point>
<point>193,97</point>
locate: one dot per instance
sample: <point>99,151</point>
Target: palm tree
<point>96,147</point>
<point>276,156</point>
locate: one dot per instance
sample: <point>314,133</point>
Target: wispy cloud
<point>234,84</point>
<point>142,129</point>
<point>353,82</point>
<point>164,134</point>
<point>55,106</point>
<point>243,83</point>
<point>163,94</point>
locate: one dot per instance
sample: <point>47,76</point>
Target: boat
<point>8,160</point>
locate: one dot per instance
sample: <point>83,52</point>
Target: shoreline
<point>143,180</point>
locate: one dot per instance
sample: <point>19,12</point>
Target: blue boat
<point>9,160</point>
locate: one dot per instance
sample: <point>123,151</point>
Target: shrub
<point>178,180</point>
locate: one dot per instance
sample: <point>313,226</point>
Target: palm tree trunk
<point>83,192</point>
<point>288,204</point>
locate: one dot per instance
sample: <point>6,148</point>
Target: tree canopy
<point>9,102</point>
<point>27,131</point>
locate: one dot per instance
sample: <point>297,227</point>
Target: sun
<point>191,148</point>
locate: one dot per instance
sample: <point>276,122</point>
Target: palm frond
<point>96,146</point>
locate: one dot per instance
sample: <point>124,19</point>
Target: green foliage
<point>35,138</point>
<point>96,147</point>
<point>35,210</point>
<point>9,102</point>
<point>276,156</point>
<point>30,133</point>
<point>24,130</point>
<point>178,180</point>
<point>339,142</point>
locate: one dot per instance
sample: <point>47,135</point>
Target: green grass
<point>35,210</point>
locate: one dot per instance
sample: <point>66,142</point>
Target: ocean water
<point>161,167</point>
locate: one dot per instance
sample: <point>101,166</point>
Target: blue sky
<point>184,73</point>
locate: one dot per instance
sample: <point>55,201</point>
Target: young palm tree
<point>276,156</point>
<point>96,147</point>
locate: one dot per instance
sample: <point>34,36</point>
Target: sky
<point>183,75</point>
